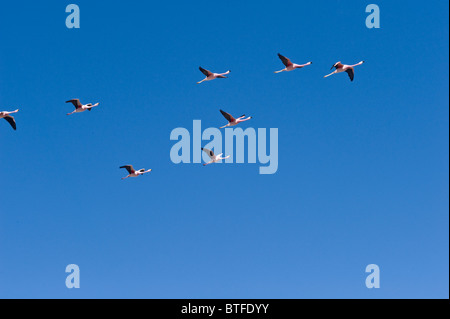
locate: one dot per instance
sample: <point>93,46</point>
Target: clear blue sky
<point>363,167</point>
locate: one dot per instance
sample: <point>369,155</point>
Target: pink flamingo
<point>6,115</point>
<point>289,65</point>
<point>133,173</point>
<point>214,158</point>
<point>212,76</point>
<point>344,68</point>
<point>80,107</point>
<point>232,121</point>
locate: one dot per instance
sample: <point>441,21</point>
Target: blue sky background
<point>363,167</point>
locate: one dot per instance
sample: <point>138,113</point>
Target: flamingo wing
<point>228,116</point>
<point>129,168</point>
<point>209,152</point>
<point>11,121</point>
<point>205,72</point>
<point>75,102</point>
<point>351,73</point>
<point>285,60</point>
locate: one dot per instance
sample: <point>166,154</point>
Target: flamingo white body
<point>214,158</point>
<point>10,119</point>
<point>344,68</point>
<point>232,121</point>
<point>212,76</point>
<point>80,107</point>
<point>133,173</point>
<point>289,66</point>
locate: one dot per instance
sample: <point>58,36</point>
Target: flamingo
<point>344,68</point>
<point>133,173</point>
<point>80,107</point>
<point>289,65</point>
<point>232,121</point>
<point>212,76</point>
<point>214,158</point>
<point>6,115</point>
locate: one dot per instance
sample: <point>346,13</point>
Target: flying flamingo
<point>232,121</point>
<point>344,68</point>
<point>134,173</point>
<point>289,65</point>
<point>6,115</point>
<point>80,107</point>
<point>214,158</point>
<point>212,76</point>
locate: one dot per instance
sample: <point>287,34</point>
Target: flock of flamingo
<point>289,66</point>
